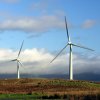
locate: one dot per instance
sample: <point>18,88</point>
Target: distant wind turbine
<point>70,44</point>
<point>18,61</point>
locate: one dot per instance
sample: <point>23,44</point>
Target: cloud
<point>37,61</point>
<point>32,25</point>
<point>88,24</point>
<point>9,1</point>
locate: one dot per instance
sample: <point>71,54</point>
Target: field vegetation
<point>48,89</point>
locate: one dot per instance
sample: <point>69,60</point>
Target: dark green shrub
<point>65,96</point>
<point>98,97</point>
<point>45,97</point>
<point>55,96</point>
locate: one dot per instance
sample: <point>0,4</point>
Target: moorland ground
<point>58,88</point>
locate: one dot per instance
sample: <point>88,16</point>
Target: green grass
<point>83,84</point>
<point>37,96</point>
<point>20,96</point>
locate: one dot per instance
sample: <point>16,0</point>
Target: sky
<point>40,23</point>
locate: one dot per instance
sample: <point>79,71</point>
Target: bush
<point>45,97</point>
<point>65,96</point>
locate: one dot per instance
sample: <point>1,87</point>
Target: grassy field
<point>55,96</point>
<point>49,89</point>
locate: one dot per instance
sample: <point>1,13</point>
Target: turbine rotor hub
<point>69,42</point>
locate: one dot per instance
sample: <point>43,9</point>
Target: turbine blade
<point>21,65</point>
<point>67,29</point>
<point>20,48</point>
<point>17,64</point>
<point>59,53</point>
<point>14,60</point>
<point>82,47</point>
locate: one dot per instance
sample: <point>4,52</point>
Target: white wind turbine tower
<point>70,44</point>
<point>18,61</point>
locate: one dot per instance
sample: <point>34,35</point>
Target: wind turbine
<point>70,44</point>
<point>18,61</point>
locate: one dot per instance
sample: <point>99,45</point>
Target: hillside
<point>49,87</point>
<point>46,85</point>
